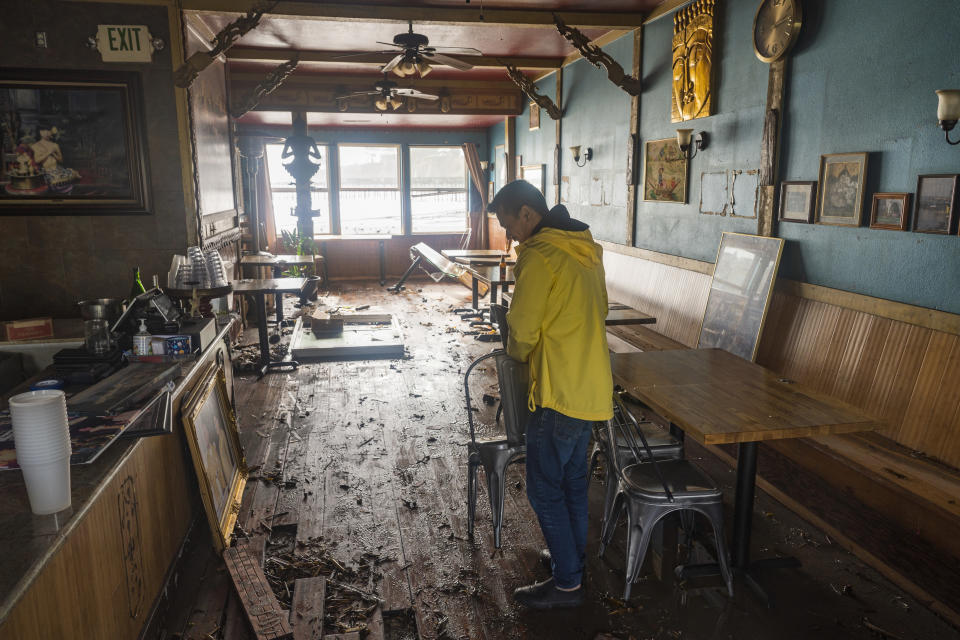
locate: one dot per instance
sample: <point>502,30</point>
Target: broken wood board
<point>306,613</point>
<point>263,611</point>
<point>359,340</point>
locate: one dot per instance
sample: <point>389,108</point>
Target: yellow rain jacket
<point>556,322</point>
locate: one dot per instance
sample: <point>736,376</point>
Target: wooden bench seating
<point>893,498</point>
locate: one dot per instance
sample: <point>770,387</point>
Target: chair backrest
<point>498,314</point>
<point>629,428</point>
<point>514,379</point>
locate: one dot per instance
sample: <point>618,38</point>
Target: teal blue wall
<point>861,78</point>
<point>495,136</point>
<point>536,147</point>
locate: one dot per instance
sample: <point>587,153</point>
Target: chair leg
<point>495,488</point>
<point>471,495</point>
<point>610,494</point>
<point>637,543</point>
<point>715,513</point>
<point>610,522</point>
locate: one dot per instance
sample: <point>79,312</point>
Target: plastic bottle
<point>141,340</point>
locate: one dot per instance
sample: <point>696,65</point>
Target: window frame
<point>466,188</point>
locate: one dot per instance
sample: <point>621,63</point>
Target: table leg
<point>493,292</point>
<point>475,291</point>
<point>278,297</point>
<point>743,503</point>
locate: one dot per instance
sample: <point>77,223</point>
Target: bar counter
<point>96,569</point>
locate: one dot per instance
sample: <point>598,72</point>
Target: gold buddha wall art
<point>693,62</point>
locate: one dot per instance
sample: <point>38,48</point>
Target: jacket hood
<point>569,235</point>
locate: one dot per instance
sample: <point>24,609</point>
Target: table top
<point>483,261</point>
<point>453,254</point>
<point>719,398</point>
<point>492,275</point>
<point>269,285</point>
<point>265,261</point>
<point>625,315</point>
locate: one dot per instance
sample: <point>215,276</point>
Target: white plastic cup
<point>48,485</point>
<point>40,428</point>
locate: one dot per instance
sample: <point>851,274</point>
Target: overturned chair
<point>494,455</point>
<point>650,491</point>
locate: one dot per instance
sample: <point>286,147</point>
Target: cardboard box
<point>31,329</point>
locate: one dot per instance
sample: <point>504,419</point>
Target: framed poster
<point>214,442</point>
<point>534,116</point>
<point>500,157</point>
<point>739,296</point>
<point>840,196</point>
<point>936,203</point>
<point>534,174</point>
<point>664,172</point>
<point>890,211</point>
<point>796,201</point>
<point>72,143</point>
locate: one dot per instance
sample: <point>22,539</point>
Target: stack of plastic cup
<point>41,436</point>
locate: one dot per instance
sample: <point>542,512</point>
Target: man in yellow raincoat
<point>556,324</point>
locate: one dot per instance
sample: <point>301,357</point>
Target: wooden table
<point>277,263</point>
<point>455,254</point>
<point>617,313</point>
<point>259,290</point>
<point>719,398</point>
<point>493,276</point>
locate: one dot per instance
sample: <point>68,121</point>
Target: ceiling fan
<point>389,95</point>
<point>417,55</point>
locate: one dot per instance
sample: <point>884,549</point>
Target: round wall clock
<point>776,27</point>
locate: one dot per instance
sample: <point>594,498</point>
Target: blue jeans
<point>557,489</point>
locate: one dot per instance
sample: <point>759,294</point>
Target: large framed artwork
<point>214,442</point>
<point>840,194</point>
<point>739,296</point>
<point>664,172</point>
<point>936,203</point>
<point>72,143</point>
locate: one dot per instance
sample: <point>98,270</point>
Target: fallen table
<point>719,398</point>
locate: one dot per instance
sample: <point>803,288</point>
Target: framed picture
<point>534,116</point>
<point>890,211</point>
<point>501,160</point>
<point>664,172</point>
<point>740,293</point>
<point>534,174</point>
<point>72,143</point>
<point>491,191</point>
<point>936,203</point>
<point>796,201</point>
<point>214,442</point>
<point>840,196</point>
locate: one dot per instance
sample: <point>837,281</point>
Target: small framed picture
<point>936,209</point>
<point>890,211</point>
<point>796,201</point>
<point>491,190</point>
<point>840,196</point>
<point>534,116</point>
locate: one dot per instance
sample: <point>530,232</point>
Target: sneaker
<point>545,595</point>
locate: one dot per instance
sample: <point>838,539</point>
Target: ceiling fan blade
<point>390,66</point>
<point>413,93</point>
<point>360,54</point>
<point>357,94</point>
<point>465,51</point>
<point>391,44</point>
<point>438,58</point>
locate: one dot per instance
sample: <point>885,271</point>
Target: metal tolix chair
<point>650,491</point>
<point>494,455</point>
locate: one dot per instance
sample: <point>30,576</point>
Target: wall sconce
<point>484,165</point>
<point>685,136</point>
<point>948,111</point>
<point>587,155</point>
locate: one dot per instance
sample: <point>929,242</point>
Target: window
<point>369,189</point>
<point>438,189</point>
<point>284,192</point>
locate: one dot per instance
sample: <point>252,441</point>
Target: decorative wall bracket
<point>188,72</point>
<point>530,89</point>
<point>600,58</point>
<point>273,80</point>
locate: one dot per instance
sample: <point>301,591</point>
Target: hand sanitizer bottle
<point>141,340</point>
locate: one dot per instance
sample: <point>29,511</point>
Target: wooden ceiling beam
<point>307,81</point>
<point>465,15</point>
<point>263,54</point>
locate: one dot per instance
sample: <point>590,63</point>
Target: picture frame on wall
<point>796,201</point>
<point>214,442</point>
<point>534,116</point>
<point>500,156</point>
<point>535,175</point>
<point>890,211</point>
<point>72,143</point>
<point>491,191</point>
<point>840,192</point>
<point>664,172</point>
<point>936,207</point>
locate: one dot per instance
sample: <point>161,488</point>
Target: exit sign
<point>124,43</point>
